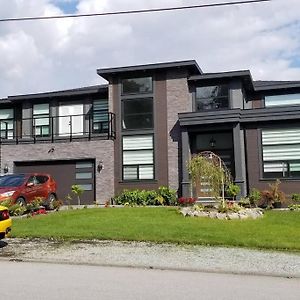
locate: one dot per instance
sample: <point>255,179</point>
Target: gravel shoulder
<point>156,256</point>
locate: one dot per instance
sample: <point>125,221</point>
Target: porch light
<point>212,143</point>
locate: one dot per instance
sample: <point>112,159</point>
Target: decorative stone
<point>233,216</point>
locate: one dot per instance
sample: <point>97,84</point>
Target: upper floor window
<point>100,116</point>
<point>7,123</point>
<point>212,97</point>
<point>281,153</point>
<point>138,113</point>
<point>41,121</point>
<point>282,100</point>
<point>137,85</point>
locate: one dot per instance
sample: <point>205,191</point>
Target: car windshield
<point>11,180</point>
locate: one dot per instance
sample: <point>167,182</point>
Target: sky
<point>42,56</point>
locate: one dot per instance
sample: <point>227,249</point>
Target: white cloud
<point>59,54</point>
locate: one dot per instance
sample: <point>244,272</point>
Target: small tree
<point>77,190</point>
<point>210,168</point>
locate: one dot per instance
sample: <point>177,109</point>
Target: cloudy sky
<point>59,54</point>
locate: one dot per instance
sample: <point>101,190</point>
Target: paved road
<point>32,281</point>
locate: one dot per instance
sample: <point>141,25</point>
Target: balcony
<point>58,129</point>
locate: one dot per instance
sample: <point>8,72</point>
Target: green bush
<point>294,207</point>
<point>254,197</point>
<point>296,197</point>
<point>163,196</point>
<point>233,190</point>
<point>169,195</point>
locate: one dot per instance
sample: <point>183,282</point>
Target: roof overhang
<point>190,65</point>
<point>67,93</point>
<point>244,75</point>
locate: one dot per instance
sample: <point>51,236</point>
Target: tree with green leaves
<point>207,167</point>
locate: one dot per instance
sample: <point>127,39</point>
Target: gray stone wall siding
<point>178,100</point>
<point>99,150</point>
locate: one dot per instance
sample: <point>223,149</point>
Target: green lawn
<point>276,230</point>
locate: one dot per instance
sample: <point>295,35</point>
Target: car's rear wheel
<point>50,201</point>
<point>21,201</point>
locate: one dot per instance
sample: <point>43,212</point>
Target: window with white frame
<point>282,100</point>
<point>138,157</point>
<point>41,119</point>
<point>7,123</point>
<point>281,153</point>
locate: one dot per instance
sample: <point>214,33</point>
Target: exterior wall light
<point>5,169</point>
<point>212,143</point>
<point>100,166</point>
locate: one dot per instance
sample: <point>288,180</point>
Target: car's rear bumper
<point>5,228</point>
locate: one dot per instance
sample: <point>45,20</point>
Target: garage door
<point>65,173</point>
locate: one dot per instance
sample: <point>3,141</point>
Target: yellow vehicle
<point>5,222</point>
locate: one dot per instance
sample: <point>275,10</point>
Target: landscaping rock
<point>244,214</point>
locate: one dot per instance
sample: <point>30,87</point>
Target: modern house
<point>140,130</point>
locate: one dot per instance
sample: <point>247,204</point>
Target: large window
<point>100,116</point>
<point>41,119</point>
<point>138,113</point>
<point>281,153</point>
<point>7,123</point>
<point>137,85</point>
<point>212,97</point>
<point>138,157</point>
<point>282,100</point>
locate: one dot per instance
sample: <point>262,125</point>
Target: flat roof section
<point>72,92</point>
<point>188,64</point>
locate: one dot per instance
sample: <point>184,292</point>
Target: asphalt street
<point>28,280</point>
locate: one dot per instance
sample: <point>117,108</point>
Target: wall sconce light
<point>5,169</point>
<point>212,143</point>
<point>100,166</point>
<point>51,150</point>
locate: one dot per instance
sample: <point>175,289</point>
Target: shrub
<point>228,206</point>
<point>168,195</point>
<point>233,190</point>
<point>163,196</point>
<point>35,204</point>
<point>272,196</point>
<point>254,197</point>
<point>186,201</point>
<point>294,207</point>
<point>296,197</point>
<point>245,202</point>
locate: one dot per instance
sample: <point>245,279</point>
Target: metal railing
<point>51,129</point>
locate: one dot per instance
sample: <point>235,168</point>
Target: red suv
<point>24,188</point>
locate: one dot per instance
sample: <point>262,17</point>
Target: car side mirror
<point>30,184</point>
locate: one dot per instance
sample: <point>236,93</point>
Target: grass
<point>276,230</point>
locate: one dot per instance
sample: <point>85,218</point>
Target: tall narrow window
<point>100,116</point>
<point>212,97</point>
<point>281,153</point>
<point>41,124</point>
<point>7,123</point>
<point>138,157</point>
